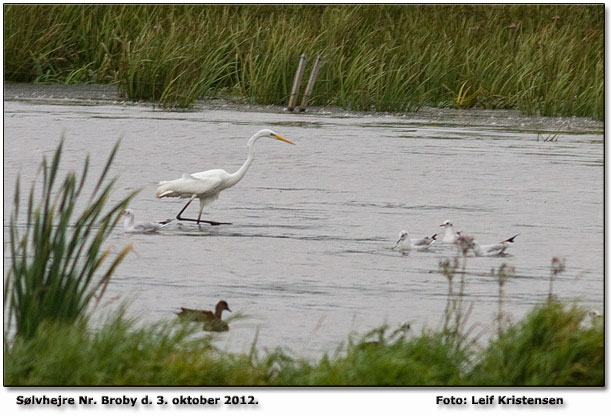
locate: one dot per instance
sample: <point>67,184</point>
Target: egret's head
<point>273,135</point>
<point>128,213</point>
<point>446,223</point>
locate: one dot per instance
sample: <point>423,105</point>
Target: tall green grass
<point>541,59</point>
<point>550,346</point>
<point>57,254</point>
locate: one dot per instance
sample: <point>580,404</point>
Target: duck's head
<point>222,306</point>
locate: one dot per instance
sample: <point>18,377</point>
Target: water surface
<point>309,255</point>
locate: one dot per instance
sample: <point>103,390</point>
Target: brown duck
<point>212,321</point>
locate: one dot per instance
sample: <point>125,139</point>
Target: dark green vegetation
<point>543,59</point>
<point>56,256</point>
<point>550,346</point>
<point>55,275</point>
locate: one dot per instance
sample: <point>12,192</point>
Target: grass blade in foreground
<point>56,256</point>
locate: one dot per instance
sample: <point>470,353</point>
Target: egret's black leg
<point>215,222</point>
<point>178,217</point>
<point>198,220</point>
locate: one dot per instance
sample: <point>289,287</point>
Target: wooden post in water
<point>311,82</point>
<point>297,82</point>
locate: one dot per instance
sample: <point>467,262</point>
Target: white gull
<point>130,226</point>
<point>406,243</point>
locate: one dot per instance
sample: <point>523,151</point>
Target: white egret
<point>492,249</point>
<point>450,236</point>
<point>208,184</point>
<point>130,226</point>
<point>406,243</point>
<point>212,321</point>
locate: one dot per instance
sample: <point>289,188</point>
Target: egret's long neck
<point>239,174</point>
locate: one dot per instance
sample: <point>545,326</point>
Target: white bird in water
<point>595,316</point>
<point>450,235</point>
<point>406,243</point>
<point>208,184</point>
<point>130,226</point>
<point>492,249</point>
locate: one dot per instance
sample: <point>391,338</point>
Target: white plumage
<point>450,236</point>
<point>130,226</point>
<point>492,249</point>
<point>207,185</point>
<point>406,243</point>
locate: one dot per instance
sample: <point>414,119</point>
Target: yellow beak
<point>283,139</point>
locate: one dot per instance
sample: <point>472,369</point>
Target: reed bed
<point>540,59</point>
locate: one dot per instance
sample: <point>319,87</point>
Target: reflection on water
<point>309,254</point>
